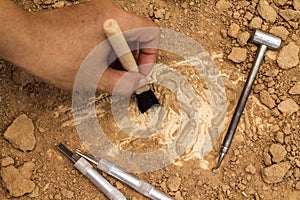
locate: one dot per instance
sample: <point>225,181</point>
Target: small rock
<point>278,152</point>
<point>286,128</point>
<point>274,128</point>
<point>275,112</point>
<point>280,2</point>
<point>7,161</point>
<point>266,99</point>
<point>119,185</point>
<point>272,72</point>
<point>238,54</point>
<point>296,4</point>
<point>184,4</point>
<point>288,107</point>
<point>280,137</point>
<point>289,14</point>
<point>267,159</point>
<point>266,11</point>
<point>21,133</point>
<point>178,196</point>
<point>223,5</point>
<point>243,38</point>
<point>298,186</point>
<point>163,186</point>
<point>259,87</point>
<point>255,23</point>
<point>279,31</point>
<point>160,13</point>
<point>68,194</point>
<point>248,15</point>
<point>174,183</point>
<point>276,172</point>
<point>288,56</point>
<point>295,89</point>
<point>233,30</point>
<point>251,169</point>
<point>272,55</point>
<point>15,183</point>
<point>58,4</point>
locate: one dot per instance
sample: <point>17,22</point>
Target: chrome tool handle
<point>88,171</point>
<point>137,184</point>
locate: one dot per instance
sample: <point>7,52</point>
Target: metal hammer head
<point>262,38</point>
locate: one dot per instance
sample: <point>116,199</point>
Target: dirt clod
<point>233,30</point>
<point>223,5</point>
<point>68,194</point>
<point>21,133</point>
<point>267,159</point>
<point>276,172</point>
<point>289,14</point>
<point>160,13</point>
<point>280,137</point>
<point>251,169</point>
<point>243,38</point>
<point>288,56</point>
<point>173,183</point>
<point>296,4</point>
<point>15,182</point>
<point>266,99</point>
<point>279,31</point>
<point>288,106</point>
<point>295,89</point>
<point>238,54</point>
<point>278,152</point>
<point>266,11</point>
<point>256,23</point>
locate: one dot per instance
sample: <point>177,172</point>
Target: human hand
<point>61,39</point>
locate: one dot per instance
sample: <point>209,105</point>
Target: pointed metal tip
<point>67,152</point>
<point>87,156</point>
<point>214,169</point>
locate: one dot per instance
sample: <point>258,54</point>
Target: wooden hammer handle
<point>121,48</point>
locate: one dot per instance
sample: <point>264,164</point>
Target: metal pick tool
<point>139,185</point>
<point>88,171</point>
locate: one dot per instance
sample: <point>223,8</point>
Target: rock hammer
<point>264,40</point>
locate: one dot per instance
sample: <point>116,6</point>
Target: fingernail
<point>142,82</point>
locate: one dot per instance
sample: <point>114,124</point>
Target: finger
<point>120,82</point>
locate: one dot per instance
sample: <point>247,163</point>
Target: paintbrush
<point>144,95</point>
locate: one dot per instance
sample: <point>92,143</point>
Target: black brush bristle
<point>146,100</point>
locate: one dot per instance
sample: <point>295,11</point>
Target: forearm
<point>14,31</point>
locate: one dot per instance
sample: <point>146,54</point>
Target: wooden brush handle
<point>121,48</point>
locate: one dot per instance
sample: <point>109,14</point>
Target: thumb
<point>121,82</point>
